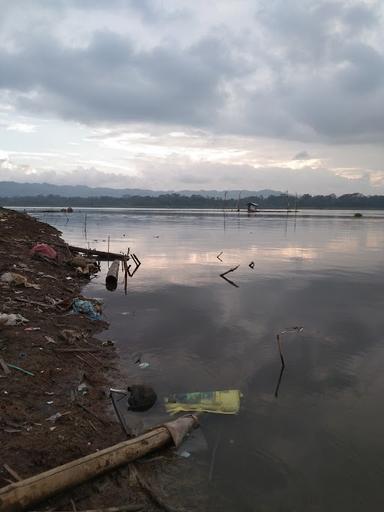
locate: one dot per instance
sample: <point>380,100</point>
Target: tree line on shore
<point>282,201</point>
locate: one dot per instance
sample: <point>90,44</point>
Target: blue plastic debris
<point>88,308</point>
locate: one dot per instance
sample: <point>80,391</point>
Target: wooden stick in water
<point>125,274</point>
<point>280,351</point>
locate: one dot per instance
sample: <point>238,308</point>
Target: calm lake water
<point>319,444</point>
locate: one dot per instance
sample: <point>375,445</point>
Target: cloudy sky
<point>175,94</point>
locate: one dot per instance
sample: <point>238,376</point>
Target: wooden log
<point>112,276</point>
<point>100,254</point>
<point>20,496</point>
<point>79,349</point>
<point>125,508</point>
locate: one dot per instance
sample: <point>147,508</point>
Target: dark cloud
<point>308,71</point>
<point>302,155</point>
<point>111,81</point>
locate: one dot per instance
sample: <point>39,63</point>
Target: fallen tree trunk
<point>21,495</point>
<point>100,254</point>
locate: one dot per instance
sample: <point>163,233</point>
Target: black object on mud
<point>141,397</point>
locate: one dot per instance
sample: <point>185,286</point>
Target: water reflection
<point>318,444</point>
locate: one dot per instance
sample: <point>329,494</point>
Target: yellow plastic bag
<point>220,402</point>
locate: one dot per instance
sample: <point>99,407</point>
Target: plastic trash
<point>12,319</point>
<point>141,364</point>
<point>141,397</point>
<point>54,417</point>
<point>88,308</point>
<point>82,388</point>
<point>44,250</point>
<point>17,280</point>
<point>83,265</point>
<point>220,402</point>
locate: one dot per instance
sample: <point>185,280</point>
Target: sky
<point>174,94</point>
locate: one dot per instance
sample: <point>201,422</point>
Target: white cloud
<point>22,127</point>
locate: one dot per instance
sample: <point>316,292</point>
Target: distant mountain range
<point>14,189</point>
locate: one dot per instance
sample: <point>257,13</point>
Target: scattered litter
<point>108,343</point>
<point>86,307</point>
<point>44,250</point>
<point>32,328</point>
<point>185,454</point>
<point>252,265</point>
<point>17,280</point>
<point>71,336</point>
<point>141,397</point>
<point>57,416</point>
<point>68,278</point>
<point>83,265</point>
<point>12,319</point>
<point>20,369</point>
<point>82,388</point>
<point>125,313</point>
<point>49,339</point>
<point>141,364</point>
<point>221,402</point>
<point>4,366</point>
<point>50,402</point>
<point>295,328</point>
<point>52,301</point>
<point>41,274</point>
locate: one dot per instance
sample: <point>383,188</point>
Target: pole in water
<point>280,351</point>
<point>112,276</point>
<point>125,274</point>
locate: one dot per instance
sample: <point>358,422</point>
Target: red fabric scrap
<point>44,249</point>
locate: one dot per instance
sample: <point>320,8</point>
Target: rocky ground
<point>58,408</point>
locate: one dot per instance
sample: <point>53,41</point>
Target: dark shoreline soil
<point>30,441</point>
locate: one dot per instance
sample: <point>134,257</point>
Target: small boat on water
<point>252,207</point>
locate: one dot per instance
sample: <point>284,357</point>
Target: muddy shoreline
<point>60,409</point>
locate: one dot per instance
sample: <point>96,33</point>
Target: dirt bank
<point>72,383</point>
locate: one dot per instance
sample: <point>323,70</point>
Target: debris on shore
<point>54,372</point>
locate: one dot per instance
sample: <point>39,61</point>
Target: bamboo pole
<point>21,495</point>
<point>125,274</point>
<point>125,508</point>
<point>112,276</point>
<point>95,252</point>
